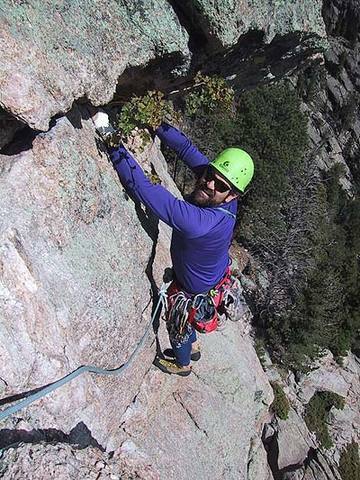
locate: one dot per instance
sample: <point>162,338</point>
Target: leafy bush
<point>349,466</point>
<point>209,94</point>
<point>208,119</point>
<point>259,346</point>
<point>316,416</point>
<point>146,111</point>
<point>280,404</point>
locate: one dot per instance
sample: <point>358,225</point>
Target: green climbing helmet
<point>236,166</point>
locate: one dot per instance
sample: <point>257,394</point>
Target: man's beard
<point>202,196</point>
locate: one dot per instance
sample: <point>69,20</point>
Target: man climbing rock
<point>202,226</point>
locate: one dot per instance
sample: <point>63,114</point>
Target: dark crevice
<point>248,64</point>
<point>80,436</point>
<point>197,24</point>
<point>178,399</point>
<point>150,224</point>
<point>272,452</point>
<point>24,138</point>
<point>9,126</point>
<point>163,74</point>
<point>187,16</point>
<point>21,142</point>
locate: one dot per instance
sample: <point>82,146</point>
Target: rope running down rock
<point>88,368</point>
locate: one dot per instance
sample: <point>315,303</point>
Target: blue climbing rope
<point>87,368</point>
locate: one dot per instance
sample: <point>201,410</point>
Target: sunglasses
<point>219,185</point>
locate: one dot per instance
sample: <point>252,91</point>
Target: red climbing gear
<point>199,310</point>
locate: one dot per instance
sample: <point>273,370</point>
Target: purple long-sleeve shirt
<point>201,236</point>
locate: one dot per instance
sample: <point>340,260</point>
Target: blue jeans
<point>182,349</point>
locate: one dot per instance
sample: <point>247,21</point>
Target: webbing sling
<point>87,368</point>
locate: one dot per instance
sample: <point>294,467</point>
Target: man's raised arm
<point>177,141</point>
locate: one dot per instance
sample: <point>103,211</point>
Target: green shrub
<point>280,404</point>
<point>316,415</point>
<point>209,94</point>
<point>259,346</point>
<point>349,465</point>
<point>146,111</point>
<point>208,120</point>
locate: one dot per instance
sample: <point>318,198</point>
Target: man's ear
<point>231,196</point>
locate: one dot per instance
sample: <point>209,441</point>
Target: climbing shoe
<point>195,352</point>
<point>168,366</point>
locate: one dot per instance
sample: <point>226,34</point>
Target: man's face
<point>212,189</point>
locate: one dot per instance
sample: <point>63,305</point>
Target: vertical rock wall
<point>73,284</point>
<point>78,259</point>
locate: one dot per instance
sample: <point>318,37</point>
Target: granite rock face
<point>54,53</point>
<point>224,21</point>
<point>78,261</point>
<point>73,287</point>
<point>293,450</point>
<point>65,462</point>
<point>217,410</point>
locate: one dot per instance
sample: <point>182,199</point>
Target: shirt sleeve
<point>190,220</point>
<point>179,142</point>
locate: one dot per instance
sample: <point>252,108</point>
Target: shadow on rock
<point>80,436</point>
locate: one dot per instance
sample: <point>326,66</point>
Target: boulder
<point>327,376</point>
<point>294,441</point>
<point>53,53</point>
<point>224,22</point>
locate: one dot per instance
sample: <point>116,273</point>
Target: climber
<point>202,232</point>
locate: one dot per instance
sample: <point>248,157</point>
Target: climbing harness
<point>88,368</point>
<point>199,311</point>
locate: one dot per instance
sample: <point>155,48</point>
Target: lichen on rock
<point>53,54</point>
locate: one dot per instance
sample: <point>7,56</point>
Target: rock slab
<point>53,53</point>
